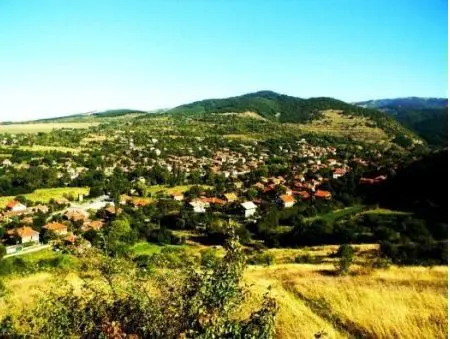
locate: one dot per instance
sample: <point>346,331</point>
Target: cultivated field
<point>41,148</point>
<point>43,127</point>
<point>164,189</point>
<point>45,194</point>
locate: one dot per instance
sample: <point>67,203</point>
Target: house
<point>6,163</point>
<point>338,172</point>
<point>76,214</point>
<point>92,225</point>
<point>249,208</point>
<point>287,200</point>
<point>198,206</point>
<point>322,194</point>
<point>70,239</point>
<point>27,220</point>
<point>124,199</point>
<point>259,186</point>
<point>56,227</point>
<point>62,201</point>
<point>178,196</point>
<point>230,197</point>
<point>213,200</point>
<point>24,234</point>
<point>111,210</point>
<point>40,209</point>
<point>140,202</point>
<point>16,206</point>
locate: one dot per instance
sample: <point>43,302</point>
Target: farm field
<point>45,194</point>
<point>165,189</point>
<point>43,127</point>
<point>41,148</point>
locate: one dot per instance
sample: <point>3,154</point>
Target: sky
<point>65,57</point>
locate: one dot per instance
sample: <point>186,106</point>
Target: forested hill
<point>284,108</point>
<point>428,117</point>
<point>411,189</point>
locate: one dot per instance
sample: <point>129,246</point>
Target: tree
<point>2,251</point>
<point>345,254</point>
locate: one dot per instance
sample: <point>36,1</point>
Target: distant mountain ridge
<point>428,117</point>
<point>288,109</point>
<point>407,102</point>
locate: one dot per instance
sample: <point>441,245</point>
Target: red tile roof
<point>287,198</point>
<point>322,194</point>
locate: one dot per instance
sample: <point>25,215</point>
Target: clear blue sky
<point>59,57</point>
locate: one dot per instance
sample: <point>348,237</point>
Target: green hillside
<point>287,109</point>
<point>428,117</point>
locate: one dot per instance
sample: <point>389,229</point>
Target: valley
<point>261,213</point>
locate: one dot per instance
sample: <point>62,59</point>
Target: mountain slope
<point>287,109</point>
<point>410,102</point>
<point>428,117</point>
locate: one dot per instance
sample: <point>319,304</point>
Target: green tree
<point>345,254</point>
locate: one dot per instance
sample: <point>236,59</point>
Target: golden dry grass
<point>399,302</point>
<point>43,127</point>
<point>408,302</point>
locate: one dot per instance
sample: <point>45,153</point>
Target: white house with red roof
<point>16,206</point>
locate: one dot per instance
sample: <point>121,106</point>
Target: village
<point>233,181</point>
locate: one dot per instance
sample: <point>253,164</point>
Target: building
<point>24,234</point>
<point>287,200</point>
<point>338,172</point>
<point>323,194</point>
<point>16,206</point>
<point>76,214</point>
<point>178,196</point>
<point>56,228</point>
<point>198,206</point>
<point>249,208</point>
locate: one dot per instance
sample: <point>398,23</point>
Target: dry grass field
<point>43,127</point>
<point>41,148</point>
<point>397,302</point>
<point>408,302</point>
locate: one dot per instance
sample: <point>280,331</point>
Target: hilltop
<point>428,117</point>
<point>319,114</point>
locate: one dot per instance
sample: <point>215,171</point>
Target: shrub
<point>261,259</point>
<point>190,303</point>
<point>305,259</point>
<point>209,258</point>
<point>345,254</point>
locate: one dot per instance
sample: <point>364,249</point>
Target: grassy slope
<point>406,302</point>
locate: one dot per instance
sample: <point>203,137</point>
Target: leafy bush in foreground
<point>193,302</point>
